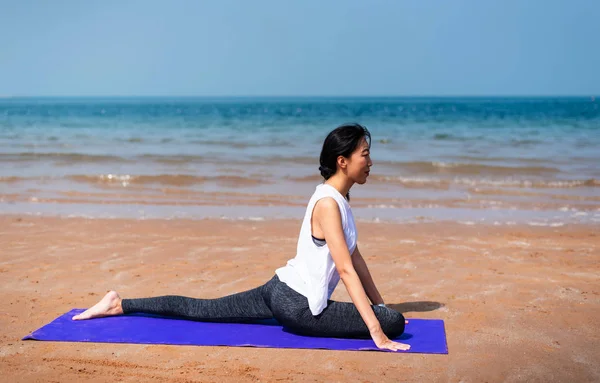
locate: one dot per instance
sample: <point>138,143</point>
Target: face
<point>359,163</point>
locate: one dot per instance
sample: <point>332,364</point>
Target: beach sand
<point>520,303</point>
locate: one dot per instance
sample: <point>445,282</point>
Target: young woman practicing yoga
<point>298,294</point>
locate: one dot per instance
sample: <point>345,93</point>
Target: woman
<point>298,295</point>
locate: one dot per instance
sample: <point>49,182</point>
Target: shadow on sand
<point>421,306</point>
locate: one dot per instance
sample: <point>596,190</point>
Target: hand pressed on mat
<point>383,342</point>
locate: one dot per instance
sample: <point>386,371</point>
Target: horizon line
<point>4,97</point>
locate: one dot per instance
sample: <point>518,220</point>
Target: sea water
<point>442,156</point>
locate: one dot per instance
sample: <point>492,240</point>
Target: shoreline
<point>297,219</point>
<point>275,207</point>
<point>520,303</point>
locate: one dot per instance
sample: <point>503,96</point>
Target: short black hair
<point>342,141</point>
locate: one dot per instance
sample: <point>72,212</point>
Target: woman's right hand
<point>384,343</point>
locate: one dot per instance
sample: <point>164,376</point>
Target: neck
<point>341,183</point>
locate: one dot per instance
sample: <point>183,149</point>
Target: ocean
<point>471,160</point>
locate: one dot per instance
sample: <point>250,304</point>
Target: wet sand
<point>520,303</point>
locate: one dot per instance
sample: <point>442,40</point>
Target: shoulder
<point>326,204</point>
<point>327,207</point>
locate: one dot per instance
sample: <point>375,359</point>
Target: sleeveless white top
<point>312,272</point>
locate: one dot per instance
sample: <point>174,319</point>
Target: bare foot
<point>108,306</point>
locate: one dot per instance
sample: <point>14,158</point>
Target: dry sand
<point>520,303</point>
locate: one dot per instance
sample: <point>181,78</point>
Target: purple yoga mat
<point>423,335</point>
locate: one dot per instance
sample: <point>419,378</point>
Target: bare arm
<point>327,215</point>
<point>365,277</point>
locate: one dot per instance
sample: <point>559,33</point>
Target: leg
<point>338,319</point>
<point>247,305</point>
<point>239,307</point>
<point>342,320</point>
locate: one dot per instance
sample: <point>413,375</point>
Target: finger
<point>403,346</point>
<point>406,322</point>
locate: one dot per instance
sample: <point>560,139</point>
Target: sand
<point>520,303</point>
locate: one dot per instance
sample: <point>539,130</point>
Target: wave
<point>241,180</point>
<point>506,182</point>
<point>458,168</point>
<point>443,183</point>
<point>478,159</point>
<point>178,159</point>
<point>58,156</point>
<point>231,160</point>
<point>165,179</point>
<point>12,179</point>
<point>73,158</point>
<point>310,178</point>
<point>453,137</point>
<point>272,143</point>
<point>524,142</point>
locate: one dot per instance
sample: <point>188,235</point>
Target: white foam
<point>520,243</point>
<point>256,218</point>
<point>422,214</point>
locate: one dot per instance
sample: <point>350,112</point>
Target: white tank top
<point>312,272</point>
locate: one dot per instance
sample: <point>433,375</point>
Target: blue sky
<point>299,48</point>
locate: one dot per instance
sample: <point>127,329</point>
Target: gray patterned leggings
<point>276,300</point>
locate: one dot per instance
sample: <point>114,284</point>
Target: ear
<point>342,162</point>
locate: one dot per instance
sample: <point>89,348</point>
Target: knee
<point>394,325</point>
